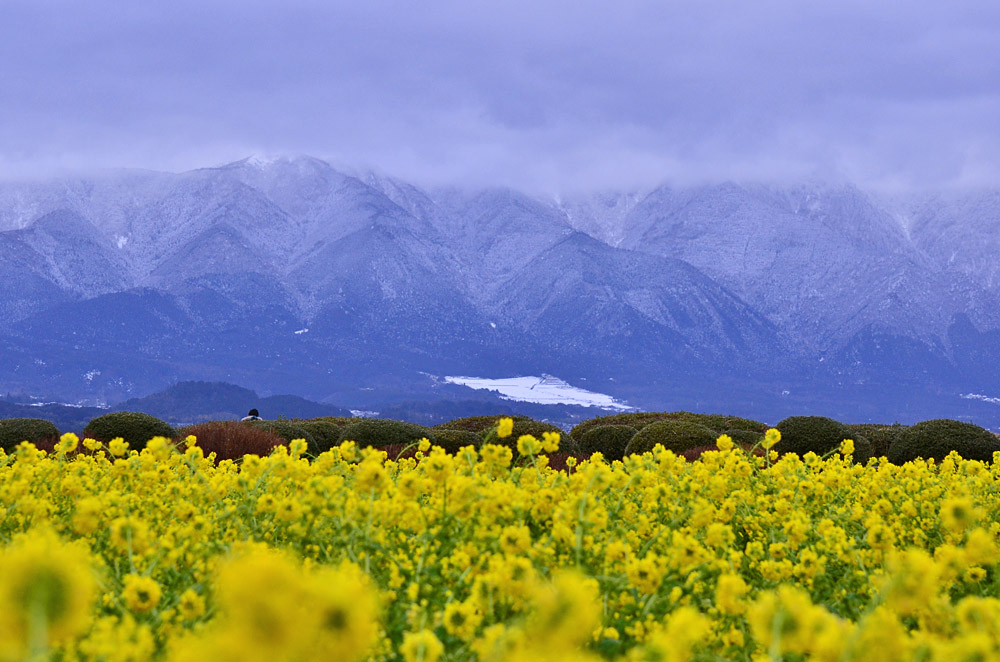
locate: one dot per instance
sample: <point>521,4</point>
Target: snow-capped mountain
<point>960,233</point>
<point>288,274</point>
<point>821,263</point>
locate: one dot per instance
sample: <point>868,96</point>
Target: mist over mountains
<point>290,276</point>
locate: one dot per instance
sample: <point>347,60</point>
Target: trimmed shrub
<point>674,435</point>
<point>880,436</point>
<point>453,440</point>
<point>134,427</point>
<point>720,422</point>
<point>639,420</point>
<point>231,440</point>
<point>743,437</point>
<point>36,430</point>
<point>523,426</point>
<point>863,449</point>
<point>609,440</point>
<point>286,431</point>
<point>693,454</point>
<point>936,438</point>
<point>339,421</point>
<point>477,424</point>
<point>382,432</point>
<point>820,435</point>
<point>324,432</point>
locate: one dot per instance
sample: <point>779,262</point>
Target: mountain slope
<point>288,274</point>
<point>822,263</point>
<point>960,233</point>
<point>585,297</point>
<point>191,401</point>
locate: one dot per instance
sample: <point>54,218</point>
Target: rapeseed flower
<point>371,475</point>
<point>958,514</point>
<point>130,534</point>
<point>461,619</point>
<point>505,427</point>
<point>68,443</point>
<point>646,574</point>
<point>528,445</point>
<point>912,582</point>
<point>730,592</point>
<point>191,605</point>
<point>685,629</point>
<point>46,593</point>
<point>847,447</point>
<point>118,447</point>
<point>515,539</point>
<point>141,594</point>
<point>354,553</point>
<point>550,441</point>
<point>771,437</point>
<point>345,605</point>
<point>566,613</point>
<point>422,646</point>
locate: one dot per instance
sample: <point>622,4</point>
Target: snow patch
<point>262,160</point>
<point>301,331</point>
<point>983,398</point>
<point>63,404</point>
<point>120,241</point>
<point>89,376</point>
<point>546,390</point>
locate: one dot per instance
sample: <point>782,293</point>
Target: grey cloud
<point>550,95</point>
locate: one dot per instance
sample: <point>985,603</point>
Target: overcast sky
<point>533,93</point>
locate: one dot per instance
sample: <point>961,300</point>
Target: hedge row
<point>614,436</point>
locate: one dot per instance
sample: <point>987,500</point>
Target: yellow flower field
<point>164,554</point>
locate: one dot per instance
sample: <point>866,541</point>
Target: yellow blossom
<point>118,447</point>
<point>191,605</point>
<point>771,437</point>
<point>461,619</point>
<point>47,588</point>
<point>528,445</point>
<point>422,646</point>
<point>68,442</point>
<point>505,427</point>
<point>141,593</point>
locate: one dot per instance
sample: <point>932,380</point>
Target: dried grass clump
<point>693,454</point>
<point>398,451</point>
<point>231,440</point>
<point>557,461</point>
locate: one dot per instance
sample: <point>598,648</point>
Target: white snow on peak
<point>262,160</point>
<point>547,390</point>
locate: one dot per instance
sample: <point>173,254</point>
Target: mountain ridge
<point>258,271</point>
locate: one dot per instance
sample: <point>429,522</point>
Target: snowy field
<point>546,390</point>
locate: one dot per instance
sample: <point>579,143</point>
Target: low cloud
<point>542,95</point>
